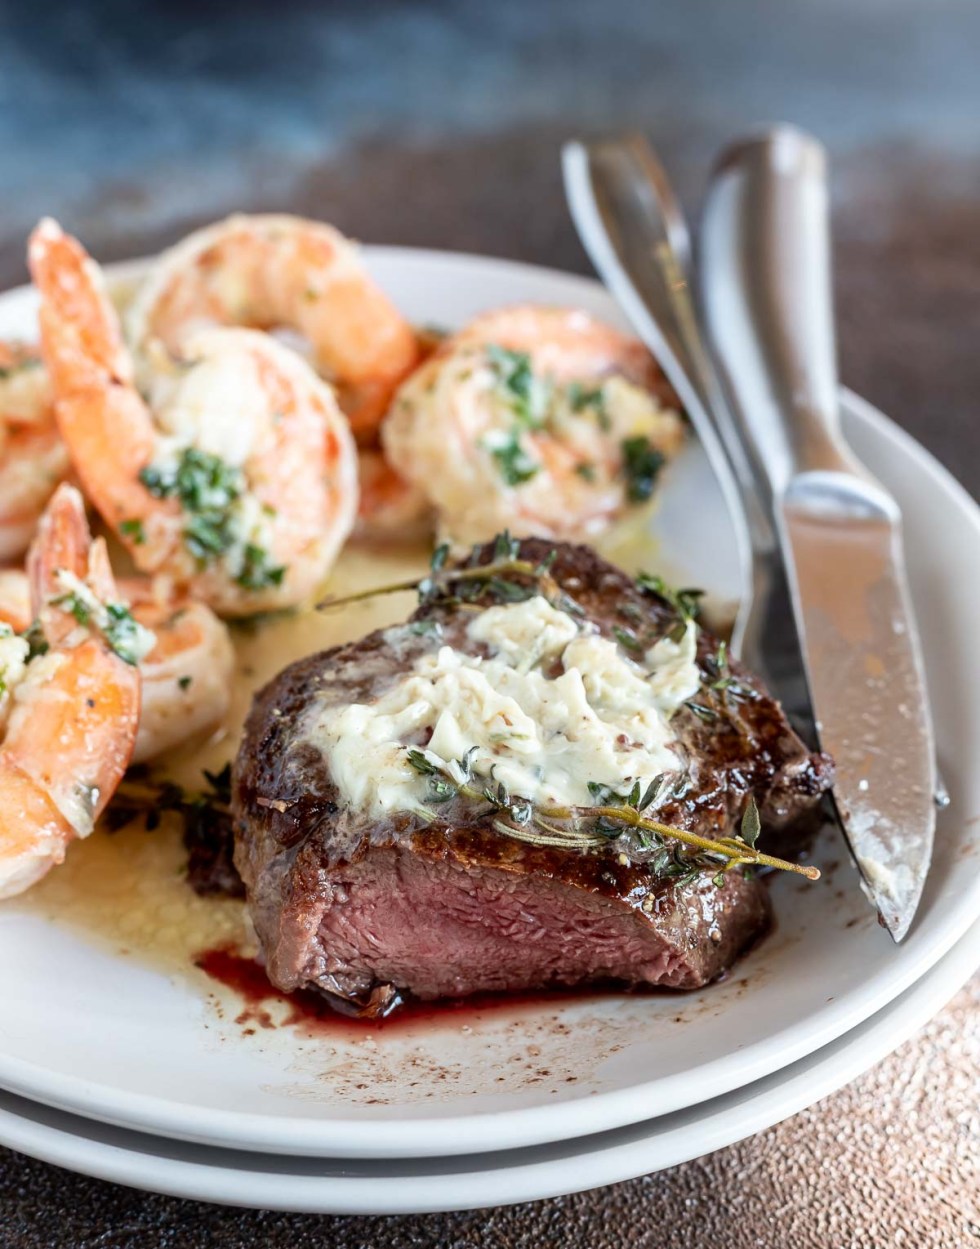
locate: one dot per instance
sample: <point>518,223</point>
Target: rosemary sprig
<point>608,819</point>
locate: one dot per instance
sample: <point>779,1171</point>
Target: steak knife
<point>768,305</point>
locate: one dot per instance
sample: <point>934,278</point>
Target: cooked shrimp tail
<point>71,719</point>
<point>237,478</point>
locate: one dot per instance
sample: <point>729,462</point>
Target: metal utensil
<point>767,300</point>
<point>633,228</point>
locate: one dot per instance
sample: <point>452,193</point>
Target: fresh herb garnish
<point>582,397</point>
<point>705,713</point>
<point>205,818</point>
<point>507,578</point>
<point>751,824</point>
<point>627,639</point>
<point>515,465</point>
<point>516,377</point>
<point>37,643</point>
<point>614,815</point>
<point>133,529</point>
<point>209,492</point>
<point>642,463</point>
<point>184,682</point>
<point>586,470</point>
<point>686,603</point>
<point>126,636</point>
<point>257,573</point>
<point>425,628</point>
<point>73,603</point>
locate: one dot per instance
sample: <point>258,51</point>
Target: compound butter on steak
<point>412,809</point>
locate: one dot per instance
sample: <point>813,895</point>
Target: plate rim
<point>702,1129</point>
<point>333,1136</point>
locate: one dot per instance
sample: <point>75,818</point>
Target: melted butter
<point>126,891</point>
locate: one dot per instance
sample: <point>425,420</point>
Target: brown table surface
<point>438,124</point>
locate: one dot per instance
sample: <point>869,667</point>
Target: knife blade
<point>767,296</point>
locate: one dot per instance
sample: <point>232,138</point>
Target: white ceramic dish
<point>393,1186</point>
<point>109,1038</point>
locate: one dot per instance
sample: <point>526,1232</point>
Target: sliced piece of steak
<point>436,900</point>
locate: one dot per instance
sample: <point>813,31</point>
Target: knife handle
<point>768,302</point>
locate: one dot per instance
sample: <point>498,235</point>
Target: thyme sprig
<point>578,827</point>
<point>496,576</point>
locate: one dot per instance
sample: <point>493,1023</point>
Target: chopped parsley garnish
<point>515,465</point>
<point>642,463</point>
<point>36,641</point>
<point>133,529</point>
<point>75,605</point>
<point>126,636</point>
<point>515,376</point>
<point>184,682</point>
<point>586,470</point>
<point>257,573</point>
<point>209,491</point>
<point>581,398</point>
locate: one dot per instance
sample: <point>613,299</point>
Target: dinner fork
<point>633,228</point>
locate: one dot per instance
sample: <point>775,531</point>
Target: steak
<point>440,900</point>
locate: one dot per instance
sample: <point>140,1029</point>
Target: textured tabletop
<point>438,124</point>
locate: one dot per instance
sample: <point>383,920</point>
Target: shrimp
<point>33,459</point>
<point>391,508</point>
<point>69,712</point>
<point>235,479</point>
<point>540,420</point>
<point>280,272</point>
<point>186,675</point>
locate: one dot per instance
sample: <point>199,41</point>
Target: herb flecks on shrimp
<point>211,493</point>
<point>235,477</point>
<point>71,704</point>
<point>542,419</point>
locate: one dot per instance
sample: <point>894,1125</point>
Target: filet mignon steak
<point>373,832</point>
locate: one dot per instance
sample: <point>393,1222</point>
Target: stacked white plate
<point>113,1069</point>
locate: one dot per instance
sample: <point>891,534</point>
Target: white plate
<point>109,1038</point>
<point>392,1186</point>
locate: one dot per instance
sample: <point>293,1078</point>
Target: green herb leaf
<point>133,529</point>
<point>257,572</point>
<point>125,635</point>
<point>685,602</point>
<point>627,639</point>
<point>642,463</point>
<point>513,462</point>
<point>515,376</point>
<point>751,824</point>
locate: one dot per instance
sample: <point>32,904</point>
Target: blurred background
<point>438,123</point>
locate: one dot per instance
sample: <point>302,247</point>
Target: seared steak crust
<point>367,910</point>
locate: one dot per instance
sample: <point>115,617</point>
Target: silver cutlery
<point>634,231</point>
<point>768,305</point>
